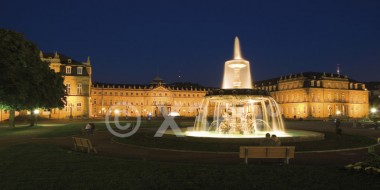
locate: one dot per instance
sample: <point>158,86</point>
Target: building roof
<point>307,75</point>
<point>63,58</point>
<point>172,86</point>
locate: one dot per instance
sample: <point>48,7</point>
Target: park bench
<point>83,144</point>
<point>263,152</point>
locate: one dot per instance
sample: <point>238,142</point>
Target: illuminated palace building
<point>304,95</point>
<point>318,95</point>
<point>154,99</point>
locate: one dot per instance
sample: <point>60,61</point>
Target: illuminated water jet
<point>237,109</point>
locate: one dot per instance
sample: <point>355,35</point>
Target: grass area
<point>331,142</point>
<point>60,128</point>
<point>49,167</point>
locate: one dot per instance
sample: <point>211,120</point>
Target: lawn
<point>33,166</point>
<point>59,128</point>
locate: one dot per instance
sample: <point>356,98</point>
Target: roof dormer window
<point>79,70</point>
<point>68,60</point>
<point>68,70</point>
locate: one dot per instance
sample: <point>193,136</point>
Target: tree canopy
<point>26,82</point>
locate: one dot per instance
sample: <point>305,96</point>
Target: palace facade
<point>77,79</point>
<point>318,95</point>
<point>153,100</point>
<point>303,95</point>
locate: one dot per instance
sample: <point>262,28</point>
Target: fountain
<point>237,110</point>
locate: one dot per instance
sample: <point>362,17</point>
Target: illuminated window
<point>79,89</point>
<point>79,106</point>
<point>68,70</point>
<point>80,70</point>
<point>68,88</point>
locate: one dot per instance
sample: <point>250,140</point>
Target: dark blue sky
<point>130,41</point>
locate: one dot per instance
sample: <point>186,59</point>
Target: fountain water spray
<point>237,109</point>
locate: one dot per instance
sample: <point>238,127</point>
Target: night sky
<point>133,41</point>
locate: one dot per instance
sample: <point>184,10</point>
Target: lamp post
<point>35,113</point>
<point>374,117</point>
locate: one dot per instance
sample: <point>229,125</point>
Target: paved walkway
<point>105,146</point>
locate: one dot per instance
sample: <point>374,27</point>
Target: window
<point>94,100</point>
<point>68,70</point>
<point>68,88</point>
<point>68,60</point>
<point>80,70</point>
<point>329,110</point>
<point>318,83</point>
<point>79,106</point>
<point>79,89</point>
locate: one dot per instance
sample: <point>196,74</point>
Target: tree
<point>26,83</point>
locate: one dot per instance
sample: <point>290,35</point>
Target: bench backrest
<point>267,151</point>
<point>82,142</point>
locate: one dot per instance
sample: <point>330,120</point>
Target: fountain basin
<point>289,135</point>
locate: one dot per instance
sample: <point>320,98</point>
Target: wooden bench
<point>285,152</point>
<point>83,144</point>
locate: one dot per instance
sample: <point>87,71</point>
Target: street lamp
<point>374,117</point>
<point>338,112</point>
<point>36,112</point>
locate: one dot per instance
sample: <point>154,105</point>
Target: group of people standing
<point>270,140</point>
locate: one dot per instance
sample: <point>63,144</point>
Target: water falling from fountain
<point>237,109</point>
